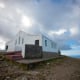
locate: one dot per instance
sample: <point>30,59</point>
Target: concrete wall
<point>50,55</point>
<point>33,51</point>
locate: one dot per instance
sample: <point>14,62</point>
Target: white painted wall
<point>11,46</point>
<point>49,47</point>
<point>23,51</point>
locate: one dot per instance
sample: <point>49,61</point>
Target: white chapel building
<point>32,45</point>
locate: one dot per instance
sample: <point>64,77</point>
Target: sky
<point>57,19</point>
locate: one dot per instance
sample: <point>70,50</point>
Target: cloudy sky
<point>57,19</point>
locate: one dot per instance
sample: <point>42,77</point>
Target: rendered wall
<point>49,47</point>
<point>11,46</point>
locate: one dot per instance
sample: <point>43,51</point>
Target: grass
<point>55,61</point>
<point>34,65</point>
<point>43,68</point>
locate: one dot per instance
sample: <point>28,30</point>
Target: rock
<point>7,78</point>
<point>22,78</point>
<point>48,63</point>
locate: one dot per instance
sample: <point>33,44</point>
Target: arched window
<point>15,42</point>
<point>45,42</point>
<point>19,39</point>
<point>22,40</point>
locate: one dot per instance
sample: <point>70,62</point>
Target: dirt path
<point>69,69</point>
<point>57,69</point>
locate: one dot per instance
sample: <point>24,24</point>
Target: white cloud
<point>18,11</point>
<point>26,21</point>
<point>75,47</point>
<point>2,5</point>
<point>59,32</point>
<point>74,31</point>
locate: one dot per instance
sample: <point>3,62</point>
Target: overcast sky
<point>58,19</point>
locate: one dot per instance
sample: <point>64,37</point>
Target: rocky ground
<point>64,68</point>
